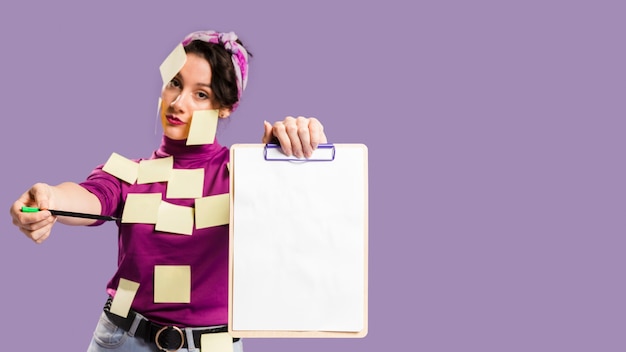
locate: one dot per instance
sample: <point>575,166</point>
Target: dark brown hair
<point>224,78</point>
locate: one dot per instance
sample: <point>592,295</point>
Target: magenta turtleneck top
<point>141,247</point>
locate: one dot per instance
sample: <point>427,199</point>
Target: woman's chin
<point>174,133</point>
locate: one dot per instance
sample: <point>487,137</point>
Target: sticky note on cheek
<point>218,342</point>
<point>203,127</point>
<point>172,284</point>
<point>124,296</point>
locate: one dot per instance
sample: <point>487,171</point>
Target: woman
<point>213,77</point>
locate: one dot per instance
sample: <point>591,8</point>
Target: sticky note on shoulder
<point>203,127</point>
<point>124,296</point>
<point>212,211</point>
<point>218,342</point>
<point>173,63</point>
<point>122,168</point>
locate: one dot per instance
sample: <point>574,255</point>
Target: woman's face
<point>188,91</point>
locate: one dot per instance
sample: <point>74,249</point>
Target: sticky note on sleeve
<point>122,168</point>
<point>124,296</point>
<point>216,342</point>
<point>212,211</point>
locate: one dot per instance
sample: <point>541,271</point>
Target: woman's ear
<point>223,113</point>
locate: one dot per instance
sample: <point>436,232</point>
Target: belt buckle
<point>164,349</point>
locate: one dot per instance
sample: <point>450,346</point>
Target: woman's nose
<point>179,101</point>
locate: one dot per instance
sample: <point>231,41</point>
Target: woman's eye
<point>174,83</point>
<point>202,95</point>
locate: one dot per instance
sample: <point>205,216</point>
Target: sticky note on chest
<point>172,284</point>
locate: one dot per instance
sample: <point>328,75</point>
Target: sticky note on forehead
<point>173,63</point>
<point>203,127</point>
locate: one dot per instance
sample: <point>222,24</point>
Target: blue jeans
<point>108,338</point>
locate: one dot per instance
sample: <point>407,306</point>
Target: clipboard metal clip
<point>324,152</point>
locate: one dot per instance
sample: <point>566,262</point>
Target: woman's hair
<point>224,78</point>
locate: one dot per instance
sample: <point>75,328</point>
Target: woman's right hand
<point>36,226</point>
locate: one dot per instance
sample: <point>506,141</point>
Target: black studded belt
<point>166,337</point>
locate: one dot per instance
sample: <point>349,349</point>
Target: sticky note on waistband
<point>124,296</point>
<point>218,342</point>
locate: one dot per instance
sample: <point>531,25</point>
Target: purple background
<point>495,134</point>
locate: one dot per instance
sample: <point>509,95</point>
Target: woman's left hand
<point>298,136</point>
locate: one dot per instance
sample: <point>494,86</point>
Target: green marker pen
<point>71,213</point>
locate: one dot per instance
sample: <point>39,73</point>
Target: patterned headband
<point>239,55</point>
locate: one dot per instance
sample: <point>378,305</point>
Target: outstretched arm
<point>67,196</point>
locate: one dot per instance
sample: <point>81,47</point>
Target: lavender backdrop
<point>496,139</point>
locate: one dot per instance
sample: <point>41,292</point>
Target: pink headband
<point>239,55</point>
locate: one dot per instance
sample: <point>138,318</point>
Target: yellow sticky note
<point>155,170</point>
<point>217,342</point>
<point>212,211</point>
<point>173,63</point>
<point>174,218</point>
<point>124,296</point>
<point>185,183</point>
<point>141,208</point>
<point>203,127</point>
<point>172,284</point>
<point>122,168</point>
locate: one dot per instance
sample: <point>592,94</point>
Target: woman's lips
<point>173,120</point>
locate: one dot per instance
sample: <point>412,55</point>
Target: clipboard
<point>298,263</point>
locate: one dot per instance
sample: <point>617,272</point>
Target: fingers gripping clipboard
<point>298,242</point>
